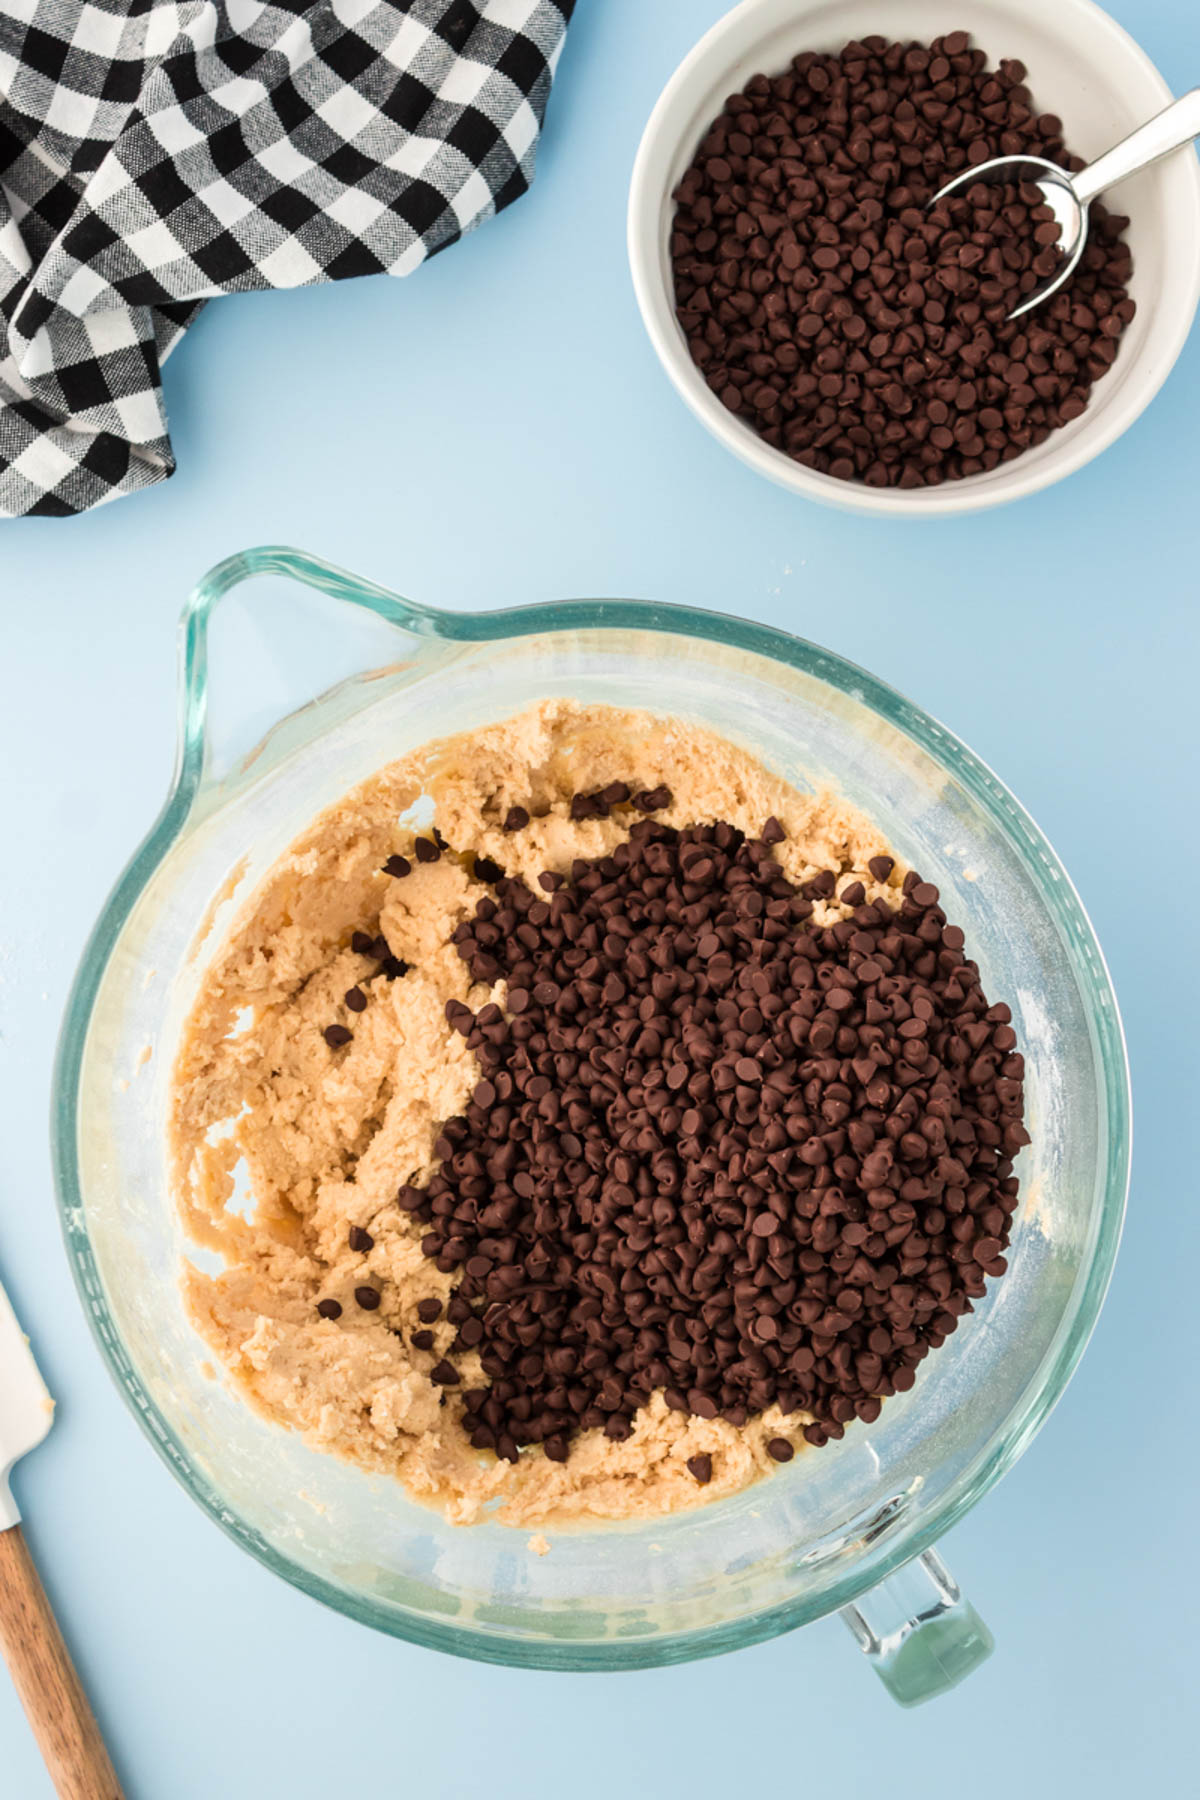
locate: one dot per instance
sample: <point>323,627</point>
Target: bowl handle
<point>921,1635</point>
<point>214,743</point>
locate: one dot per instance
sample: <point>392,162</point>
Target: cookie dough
<point>320,1139</point>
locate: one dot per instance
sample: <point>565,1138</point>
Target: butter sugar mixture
<point>567,1302</point>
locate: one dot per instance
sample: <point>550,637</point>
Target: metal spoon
<point>1069,196</point>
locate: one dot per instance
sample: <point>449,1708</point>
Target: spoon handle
<point>1178,124</point>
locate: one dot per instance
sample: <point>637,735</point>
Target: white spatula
<point>30,1640</point>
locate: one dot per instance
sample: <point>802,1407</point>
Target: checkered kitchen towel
<point>154,153</point>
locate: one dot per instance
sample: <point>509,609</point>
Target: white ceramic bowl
<point>1083,67</point>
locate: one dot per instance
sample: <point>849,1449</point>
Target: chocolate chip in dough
<point>715,1150</point>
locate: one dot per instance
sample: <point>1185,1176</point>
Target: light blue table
<point>494,431</point>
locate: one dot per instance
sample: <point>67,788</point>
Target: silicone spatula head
<point>26,1409</point>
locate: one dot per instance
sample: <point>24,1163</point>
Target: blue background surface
<point>492,431</point>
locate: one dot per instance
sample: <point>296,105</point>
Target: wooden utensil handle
<point>46,1682</point>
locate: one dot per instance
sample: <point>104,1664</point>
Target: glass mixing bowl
<point>850,1526</point>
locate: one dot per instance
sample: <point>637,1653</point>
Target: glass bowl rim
<point>1008,1440</point>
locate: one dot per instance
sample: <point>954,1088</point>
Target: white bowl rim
<point>971,494</point>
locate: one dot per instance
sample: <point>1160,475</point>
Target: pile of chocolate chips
<point>858,331</point>
<point>716,1149</point>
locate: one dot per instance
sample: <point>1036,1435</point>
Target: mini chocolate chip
<point>356,1000</point>
<point>336,1035</point>
<point>362,943</point>
<point>368,1298</point>
<point>881,867</point>
<point>773,832</point>
<point>780,1449</point>
<point>329,1309</point>
<point>398,866</point>
<point>700,1467</point>
<point>426,850</point>
<point>361,1240</point>
<point>487,870</point>
<point>652,799</point>
<point>422,1340</point>
<point>516,819</point>
<point>429,1310</point>
<point>445,1374</point>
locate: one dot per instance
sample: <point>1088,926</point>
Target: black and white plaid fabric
<point>155,153</point>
